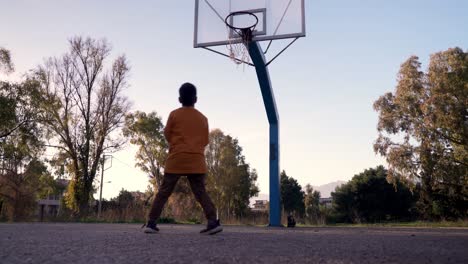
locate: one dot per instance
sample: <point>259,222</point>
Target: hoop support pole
<point>258,59</point>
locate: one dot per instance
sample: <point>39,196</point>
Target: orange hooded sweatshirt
<point>187,133</point>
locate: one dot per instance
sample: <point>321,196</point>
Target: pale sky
<point>324,84</point>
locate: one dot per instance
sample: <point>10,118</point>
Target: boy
<point>187,133</point>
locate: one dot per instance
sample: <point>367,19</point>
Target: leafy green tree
<point>292,196</point>
<point>344,205</point>
<point>231,181</point>
<point>368,197</point>
<point>147,132</point>
<point>181,204</point>
<point>124,199</point>
<point>22,173</point>
<point>423,132</point>
<point>20,187</point>
<point>82,106</point>
<point>312,204</point>
<point>125,207</point>
<point>17,108</point>
<point>6,64</point>
<point>49,185</point>
<point>7,99</point>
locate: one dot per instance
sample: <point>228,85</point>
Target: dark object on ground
<point>291,221</point>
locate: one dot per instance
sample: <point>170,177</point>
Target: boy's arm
<point>167,129</point>
<point>207,134</point>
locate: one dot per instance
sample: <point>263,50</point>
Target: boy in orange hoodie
<point>187,133</point>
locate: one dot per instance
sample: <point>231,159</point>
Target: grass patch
<point>415,224</point>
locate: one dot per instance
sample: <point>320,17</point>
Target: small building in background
<point>50,206</point>
<point>260,206</point>
<point>327,202</point>
<point>138,196</point>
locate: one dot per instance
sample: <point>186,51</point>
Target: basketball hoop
<point>238,50</point>
<point>248,23</point>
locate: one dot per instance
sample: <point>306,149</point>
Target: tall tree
<point>21,146</point>
<point>147,132</point>
<point>20,168</point>
<point>292,195</point>
<point>20,187</point>
<point>423,131</point>
<point>16,100</point>
<point>124,199</point>
<point>82,106</point>
<point>230,179</point>
<point>17,107</point>
<point>312,204</point>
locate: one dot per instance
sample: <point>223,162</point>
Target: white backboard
<point>277,19</point>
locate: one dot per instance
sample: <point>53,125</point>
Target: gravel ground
<point>125,243</point>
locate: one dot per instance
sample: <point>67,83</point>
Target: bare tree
<point>81,106</point>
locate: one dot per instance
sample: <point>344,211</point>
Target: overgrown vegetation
<point>72,107</point>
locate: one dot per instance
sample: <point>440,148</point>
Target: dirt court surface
<point>125,243</point>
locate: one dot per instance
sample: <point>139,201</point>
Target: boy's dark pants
<point>197,184</point>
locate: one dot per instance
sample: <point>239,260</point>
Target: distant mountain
<point>326,189</point>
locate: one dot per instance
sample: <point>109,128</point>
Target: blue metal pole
<point>258,59</point>
<point>275,191</point>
